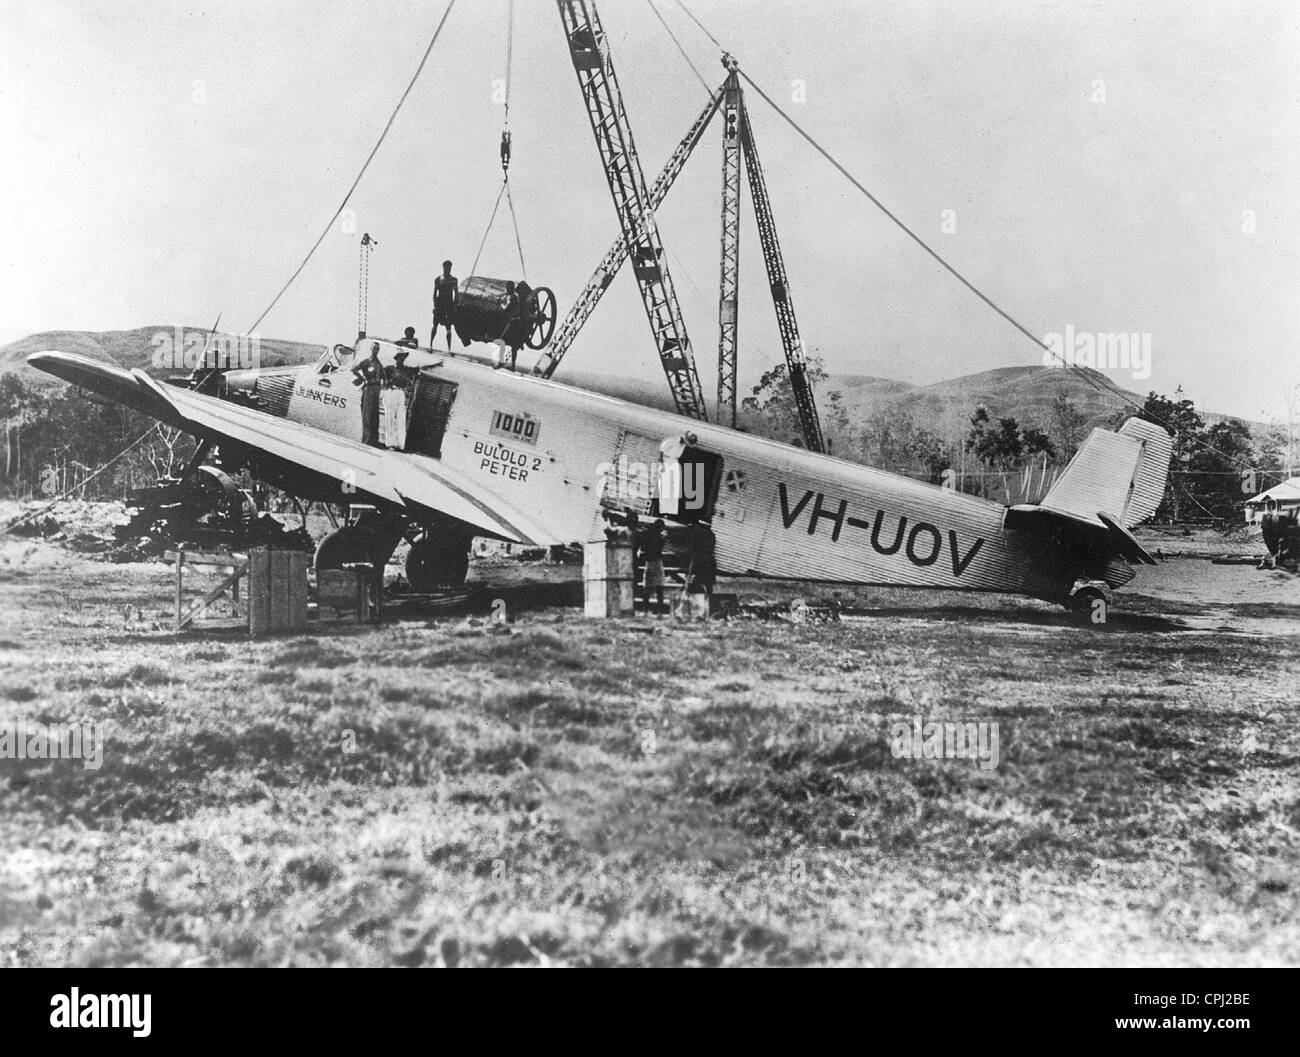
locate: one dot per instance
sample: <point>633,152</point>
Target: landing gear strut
<point>437,562</point>
<point>370,540</point>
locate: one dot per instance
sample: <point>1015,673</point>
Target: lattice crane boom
<point>796,360</point>
<point>729,282</point>
<point>587,301</point>
<point>589,51</point>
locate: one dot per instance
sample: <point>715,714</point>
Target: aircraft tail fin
<point>1120,474</point>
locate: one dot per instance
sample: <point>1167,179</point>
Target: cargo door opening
<point>431,400</point>
<point>690,486</point>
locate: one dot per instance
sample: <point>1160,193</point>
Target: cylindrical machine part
<point>482,312</point>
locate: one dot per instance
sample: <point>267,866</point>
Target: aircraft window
<point>334,359</point>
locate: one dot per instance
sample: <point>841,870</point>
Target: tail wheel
<point>436,563</point>
<point>544,319</point>
<point>1089,605</point>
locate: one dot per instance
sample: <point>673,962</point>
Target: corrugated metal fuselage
<point>553,452</point>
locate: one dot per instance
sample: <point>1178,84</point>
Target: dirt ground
<point>443,790</point>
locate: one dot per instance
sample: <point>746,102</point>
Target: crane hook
<point>505,151</point>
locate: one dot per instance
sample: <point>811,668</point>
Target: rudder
<point>1121,474</point>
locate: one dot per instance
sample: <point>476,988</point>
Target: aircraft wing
<point>393,476</point>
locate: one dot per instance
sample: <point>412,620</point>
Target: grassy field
<point>559,791</point>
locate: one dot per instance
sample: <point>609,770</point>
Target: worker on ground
<point>370,376</point>
<point>408,339</point>
<point>702,568</point>
<point>510,310</point>
<point>446,292</point>
<point>651,552</point>
<point>1271,523</point>
<point>633,526</point>
<point>1288,547</point>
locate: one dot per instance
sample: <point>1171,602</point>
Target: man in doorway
<point>408,340</point>
<point>399,375</point>
<point>399,380</point>
<point>370,376</point>
<point>446,292</point>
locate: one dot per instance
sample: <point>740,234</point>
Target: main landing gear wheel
<point>342,547</point>
<point>431,564</point>
<point>544,319</point>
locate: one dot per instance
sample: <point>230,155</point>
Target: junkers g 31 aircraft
<point>492,453</point>
<point>513,457</point>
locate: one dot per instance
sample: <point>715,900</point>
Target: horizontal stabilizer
<point>1126,545</point>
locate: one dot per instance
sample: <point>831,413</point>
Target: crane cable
<point>510,202</point>
<point>668,29</point>
<point>363,284</point>
<point>488,230</point>
<point>703,28</point>
<point>505,157</point>
<point>1099,382</point>
<point>366,165</point>
<point>510,47</point>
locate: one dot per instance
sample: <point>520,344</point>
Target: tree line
<point>57,437</point>
<point>1215,467</point>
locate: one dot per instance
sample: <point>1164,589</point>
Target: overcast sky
<point>1110,166</point>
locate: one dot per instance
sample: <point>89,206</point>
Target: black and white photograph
<point>650,484</point>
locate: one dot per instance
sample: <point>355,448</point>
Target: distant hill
<point>133,348</point>
<point>943,407</point>
<point>1026,393</point>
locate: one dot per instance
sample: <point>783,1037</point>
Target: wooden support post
<point>180,589</point>
<point>259,600</point>
<point>608,579</point>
